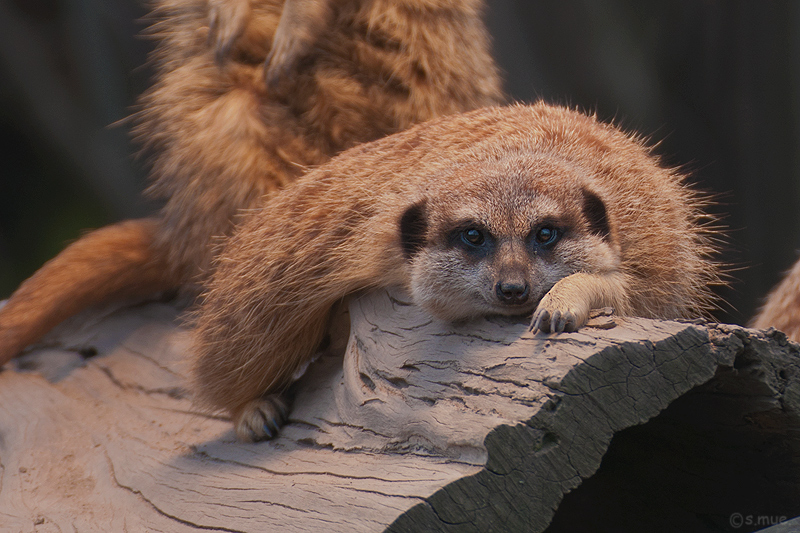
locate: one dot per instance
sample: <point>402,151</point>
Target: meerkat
<point>781,309</point>
<point>248,95</point>
<point>522,210</point>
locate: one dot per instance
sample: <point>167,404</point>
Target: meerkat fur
<point>781,310</point>
<point>501,211</point>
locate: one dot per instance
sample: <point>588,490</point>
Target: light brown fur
<point>398,211</point>
<point>782,307</point>
<point>115,258</point>
<point>341,72</point>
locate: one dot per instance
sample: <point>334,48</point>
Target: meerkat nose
<point>512,292</point>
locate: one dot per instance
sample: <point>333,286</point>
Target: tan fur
<point>394,212</point>
<point>782,307</point>
<point>342,72</point>
<point>124,268</point>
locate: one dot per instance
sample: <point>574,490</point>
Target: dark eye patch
<point>595,212</point>
<point>413,229</point>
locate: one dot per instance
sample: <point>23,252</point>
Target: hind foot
<point>262,418</point>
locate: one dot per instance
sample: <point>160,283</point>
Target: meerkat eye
<point>547,236</point>
<point>473,236</point>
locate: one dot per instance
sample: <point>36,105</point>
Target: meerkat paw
<point>261,419</point>
<point>300,26</point>
<point>554,317</point>
<point>226,22</point>
<point>282,59</point>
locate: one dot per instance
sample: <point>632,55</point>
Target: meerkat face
<point>493,238</point>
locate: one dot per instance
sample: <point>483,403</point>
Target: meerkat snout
<point>512,292</point>
<point>512,286</point>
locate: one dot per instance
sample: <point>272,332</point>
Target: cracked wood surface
<point>423,426</point>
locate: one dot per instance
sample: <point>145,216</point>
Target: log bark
<point>627,425</point>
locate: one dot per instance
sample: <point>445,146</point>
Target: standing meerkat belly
<point>248,95</point>
<point>502,211</point>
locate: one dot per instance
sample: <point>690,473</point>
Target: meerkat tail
<point>114,262</point>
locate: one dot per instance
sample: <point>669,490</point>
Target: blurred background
<point>716,83</point>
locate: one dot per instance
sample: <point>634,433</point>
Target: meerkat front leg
<point>301,24</point>
<point>566,306</point>
<point>226,22</point>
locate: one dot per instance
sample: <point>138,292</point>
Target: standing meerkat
<point>500,211</point>
<point>782,307</point>
<point>248,95</point>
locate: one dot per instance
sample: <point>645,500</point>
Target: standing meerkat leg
<point>302,22</point>
<point>226,23</point>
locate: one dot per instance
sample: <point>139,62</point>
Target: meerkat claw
<point>555,322</point>
<point>277,68</point>
<point>566,322</point>
<point>540,321</point>
<point>226,23</point>
<point>261,419</point>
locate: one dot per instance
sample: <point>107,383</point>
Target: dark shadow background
<point>713,81</point>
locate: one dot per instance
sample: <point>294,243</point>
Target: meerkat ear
<point>413,227</point>
<point>595,212</point>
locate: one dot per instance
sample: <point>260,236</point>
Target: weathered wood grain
<point>422,426</point>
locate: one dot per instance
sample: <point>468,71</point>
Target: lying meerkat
<point>782,307</point>
<point>501,211</point>
<point>248,95</point>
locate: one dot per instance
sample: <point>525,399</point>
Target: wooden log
<point>421,426</point>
